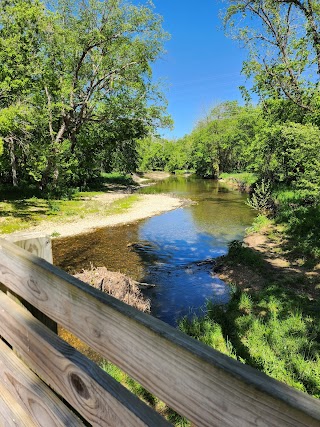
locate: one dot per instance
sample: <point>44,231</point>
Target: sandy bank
<point>146,206</point>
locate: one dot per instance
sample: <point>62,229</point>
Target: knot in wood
<point>36,290</point>
<point>79,386</point>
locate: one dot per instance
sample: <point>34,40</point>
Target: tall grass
<point>247,178</point>
<point>274,331</point>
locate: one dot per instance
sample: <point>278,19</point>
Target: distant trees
<point>68,74</point>
<point>221,142</point>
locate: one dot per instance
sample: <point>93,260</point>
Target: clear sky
<point>202,66</point>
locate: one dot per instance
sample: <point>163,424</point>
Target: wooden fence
<point>44,381</point>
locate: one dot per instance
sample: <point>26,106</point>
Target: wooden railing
<point>45,381</point>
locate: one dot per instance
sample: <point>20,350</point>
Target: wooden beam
<point>207,387</point>
<point>30,393</point>
<point>40,245</point>
<point>12,414</point>
<point>95,395</point>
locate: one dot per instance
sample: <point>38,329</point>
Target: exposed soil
<point>277,266</point>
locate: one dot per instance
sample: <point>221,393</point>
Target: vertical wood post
<point>38,244</point>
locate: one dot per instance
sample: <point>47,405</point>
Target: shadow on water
<point>166,250</point>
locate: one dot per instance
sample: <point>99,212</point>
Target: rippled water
<point>167,250</point>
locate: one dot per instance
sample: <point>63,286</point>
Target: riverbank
<point>272,321</point>
<point>114,204</point>
<point>263,259</point>
<point>137,208</point>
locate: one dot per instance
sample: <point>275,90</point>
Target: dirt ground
<point>277,266</point>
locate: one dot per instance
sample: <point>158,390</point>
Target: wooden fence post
<point>38,244</point>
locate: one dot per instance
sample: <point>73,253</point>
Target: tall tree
<point>283,41</point>
<point>75,66</point>
<point>97,69</point>
<point>20,43</point>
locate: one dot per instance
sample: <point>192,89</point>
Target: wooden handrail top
<point>207,387</point>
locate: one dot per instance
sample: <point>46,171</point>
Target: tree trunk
<point>13,162</point>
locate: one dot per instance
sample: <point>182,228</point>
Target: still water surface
<point>165,250</point>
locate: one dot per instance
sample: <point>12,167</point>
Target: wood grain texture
<point>88,389</point>
<point>11,413</point>
<point>40,245</point>
<point>37,244</point>
<point>42,405</point>
<point>207,387</point>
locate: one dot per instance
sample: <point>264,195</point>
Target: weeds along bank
<point>273,319</point>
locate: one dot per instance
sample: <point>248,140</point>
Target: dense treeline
<point>278,138</point>
<point>75,88</point>
<point>245,139</point>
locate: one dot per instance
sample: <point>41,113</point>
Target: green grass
<point>184,171</point>
<point>274,331</point>
<point>246,178</point>
<point>238,253</point>
<point>259,223</point>
<point>122,205</point>
<point>144,395</point>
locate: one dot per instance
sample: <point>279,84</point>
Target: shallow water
<point>166,250</point>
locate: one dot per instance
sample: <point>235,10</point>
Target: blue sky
<point>201,67</point>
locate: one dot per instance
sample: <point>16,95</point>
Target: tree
<point>289,154</point>
<point>223,141</point>
<point>97,70</point>
<point>284,49</point>
<point>83,67</point>
<point>20,40</point>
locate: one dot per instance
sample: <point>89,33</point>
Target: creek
<point>168,250</point>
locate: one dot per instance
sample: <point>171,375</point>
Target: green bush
<point>261,198</point>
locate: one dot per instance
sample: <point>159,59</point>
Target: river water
<point>168,250</point>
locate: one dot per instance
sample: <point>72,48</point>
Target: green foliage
<point>274,331</point>
<point>259,223</point>
<point>261,198</point>
<point>76,89</point>
<point>241,254</point>
<point>300,213</point>
<point>289,153</point>
<point>283,57</point>
<point>246,179</point>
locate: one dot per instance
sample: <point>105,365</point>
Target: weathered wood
<point>40,245</point>
<point>207,387</point>
<point>11,413</point>
<point>88,389</point>
<point>35,397</point>
<point>37,244</point>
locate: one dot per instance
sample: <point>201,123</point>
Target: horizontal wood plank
<point>88,389</point>
<point>207,387</point>
<point>33,395</point>
<point>11,413</point>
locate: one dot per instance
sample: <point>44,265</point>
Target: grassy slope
<point>273,320</point>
